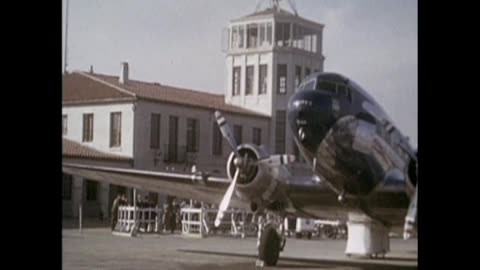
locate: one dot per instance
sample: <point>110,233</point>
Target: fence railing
<point>200,222</point>
<point>140,219</point>
<point>195,221</point>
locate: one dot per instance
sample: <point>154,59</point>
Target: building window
<point>257,136</point>
<point>115,129</point>
<point>236,81</point>
<point>262,80</point>
<point>155,131</point>
<point>91,190</point>
<point>217,140</point>
<point>64,124</point>
<point>192,135</point>
<point>237,133</point>
<point>66,187</point>
<point>87,127</point>
<point>298,75</point>
<point>280,132</point>
<point>282,78</point>
<point>249,81</point>
<point>172,138</point>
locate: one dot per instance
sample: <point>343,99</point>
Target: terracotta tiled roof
<point>86,87</point>
<point>77,87</point>
<point>73,149</point>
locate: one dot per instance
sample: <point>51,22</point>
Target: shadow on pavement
<point>288,262</point>
<point>88,223</point>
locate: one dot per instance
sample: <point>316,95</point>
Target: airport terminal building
<point>114,120</point>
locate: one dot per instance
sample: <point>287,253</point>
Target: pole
<point>134,206</point>
<point>66,39</point>
<point>80,217</point>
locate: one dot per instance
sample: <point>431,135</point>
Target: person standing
<point>116,203</point>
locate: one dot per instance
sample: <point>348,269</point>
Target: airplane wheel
<point>329,232</point>
<point>269,248</point>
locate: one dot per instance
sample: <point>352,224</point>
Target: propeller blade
<point>277,160</point>
<point>411,218</point>
<point>226,199</point>
<point>226,131</point>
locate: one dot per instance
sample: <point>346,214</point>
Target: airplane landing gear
<point>270,243</point>
<point>269,248</point>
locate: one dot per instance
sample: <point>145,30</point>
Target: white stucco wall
<point>101,126</point>
<point>205,160</point>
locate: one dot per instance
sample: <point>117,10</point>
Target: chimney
<point>124,73</point>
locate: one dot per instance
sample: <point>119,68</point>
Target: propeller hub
<point>238,162</point>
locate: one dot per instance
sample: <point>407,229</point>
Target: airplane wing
<point>191,186</point>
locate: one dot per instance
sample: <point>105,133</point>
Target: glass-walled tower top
<point>274,28</point>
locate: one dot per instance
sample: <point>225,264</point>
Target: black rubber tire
<point>269,248</point>
<point>329,232</point>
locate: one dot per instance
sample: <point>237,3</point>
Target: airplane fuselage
<point>351,144</point>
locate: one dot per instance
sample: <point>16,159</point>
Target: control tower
<point>268,53</point>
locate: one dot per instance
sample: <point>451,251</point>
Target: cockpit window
<point>340,89</point>
<point>309,85</point>
<point>327,86</point>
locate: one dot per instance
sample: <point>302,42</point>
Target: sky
<point>179,43</point>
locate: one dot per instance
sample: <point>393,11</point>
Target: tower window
<point>252,34</point>
<point>241,31</point>
<point>282,78</point>
<point>269,33</point>
<point>236,81</point>
<point>249,81</point>
<point>282,34</point>
<point>262,80</point>
<point>234,42</point>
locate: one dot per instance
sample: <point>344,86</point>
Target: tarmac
<point>98,248</point>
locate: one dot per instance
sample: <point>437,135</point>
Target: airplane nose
<point>310,116</point>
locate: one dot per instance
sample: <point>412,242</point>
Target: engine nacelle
<point>255,183</point>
